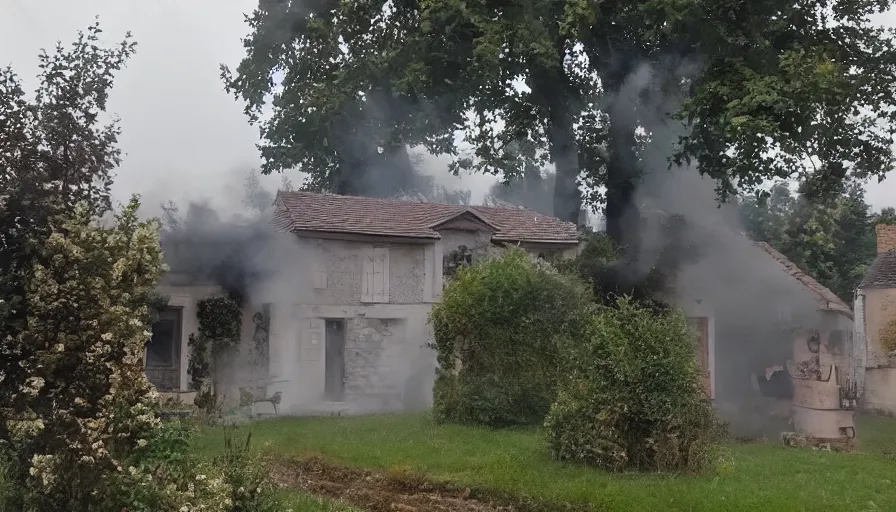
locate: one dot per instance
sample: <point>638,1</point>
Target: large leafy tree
<point>832,239</point>
<point>768,90</point>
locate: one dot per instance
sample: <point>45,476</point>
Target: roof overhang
<point>360,236</point>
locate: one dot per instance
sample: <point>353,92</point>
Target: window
<point>375,276</point>
<point>163,350</point>
<point>455,259</point>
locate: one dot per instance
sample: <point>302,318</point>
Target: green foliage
<point>220,323</point>
<point>164,475</point>
<point>769,90</point>
<point>81,398</point>
<point>10,494</point>
<point>55,158</point>
<point>495,331</point>
<point>888,336</point>
<point>199,366</point>
<point>631,395</point>
<point>832,240</point>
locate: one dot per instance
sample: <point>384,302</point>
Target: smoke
<point>750,298</point>
<point>223,238</point>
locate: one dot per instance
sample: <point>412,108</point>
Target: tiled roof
<point>825,297</point>
<point>307,211</point>
<point>882,272</point>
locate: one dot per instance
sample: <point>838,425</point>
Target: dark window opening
<point>451,262</point>
<point>334,360</point>
<point>163,350</point>
<point>836,344</point>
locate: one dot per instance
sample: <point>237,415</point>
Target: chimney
<point>886,237</point>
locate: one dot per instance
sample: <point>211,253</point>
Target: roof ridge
<point>387,200</point>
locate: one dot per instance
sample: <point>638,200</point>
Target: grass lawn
<point>760,476</point>
<point>302,502</point>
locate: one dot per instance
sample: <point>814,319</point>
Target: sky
<point>183,137</point>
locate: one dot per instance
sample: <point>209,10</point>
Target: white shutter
<point>367,278</point>
<point>381,275</point>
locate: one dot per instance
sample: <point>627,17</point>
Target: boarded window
<point>163,350</point>
<point>375,276</point>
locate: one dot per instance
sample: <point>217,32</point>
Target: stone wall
<point>880,308</point>
<point>375,365</point>
<point>340,262</point>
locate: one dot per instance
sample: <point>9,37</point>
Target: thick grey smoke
<point>747,293</point>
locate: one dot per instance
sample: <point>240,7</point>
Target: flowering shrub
<point>631,395</point>
<point>83,398</point>
<point>495,332</point>
<point>163,476</point>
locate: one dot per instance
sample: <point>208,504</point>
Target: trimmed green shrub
<point>632,395</point>
<point>495,331</point>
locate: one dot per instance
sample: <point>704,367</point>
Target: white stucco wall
<point>187,298</point>
<point>385,353</point>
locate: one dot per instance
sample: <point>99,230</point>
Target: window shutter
<point>381,276</point>
<point>367,278</point>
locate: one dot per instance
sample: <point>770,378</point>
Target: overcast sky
<point>183,136</point>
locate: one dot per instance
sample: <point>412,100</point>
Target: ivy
<point>220,322</point>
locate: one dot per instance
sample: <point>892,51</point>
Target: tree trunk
<point>564,154</point>
<point>622,171</point>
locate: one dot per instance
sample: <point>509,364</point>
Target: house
<point>347,298</point>
<point>875,315</point>
<point>760,321</point>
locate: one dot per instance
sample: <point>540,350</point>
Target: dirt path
<point>402,492</point>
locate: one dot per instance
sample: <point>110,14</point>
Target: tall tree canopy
<point>831,239</point>
<point>769,90</point>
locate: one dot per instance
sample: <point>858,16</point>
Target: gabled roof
<point>330,213</point>
<point>826,299</point>
<point>882,272</point>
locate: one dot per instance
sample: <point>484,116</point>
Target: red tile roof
<point>307,211</point>
<point>826,299</point>
<point>882,272</point>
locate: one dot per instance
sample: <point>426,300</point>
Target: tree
<point>55,157</point>
<point>533,190</point>
<point>398,81</point>
<point>885,216</point>
<point>832,239</point>
<point>256,197</point>
<point>777,87</point>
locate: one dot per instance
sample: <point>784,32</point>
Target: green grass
<point>760,476</point>
<point>302,502</point>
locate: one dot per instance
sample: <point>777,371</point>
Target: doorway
<point>334,360</point>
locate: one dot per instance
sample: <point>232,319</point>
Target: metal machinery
<point>824,401</point>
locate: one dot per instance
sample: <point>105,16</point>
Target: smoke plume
<point>746,292</point>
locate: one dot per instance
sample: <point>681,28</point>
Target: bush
<point>164,476</point>
<point>10,496</point>
<point>632,395</point>
<point>78,390</point>
<point>495,332</point>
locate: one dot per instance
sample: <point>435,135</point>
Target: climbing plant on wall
<point>220,320</point>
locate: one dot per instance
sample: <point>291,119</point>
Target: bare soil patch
<point>400,491</point>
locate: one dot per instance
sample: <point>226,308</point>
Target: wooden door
<point>334,360</point>
<point>701,326</point>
